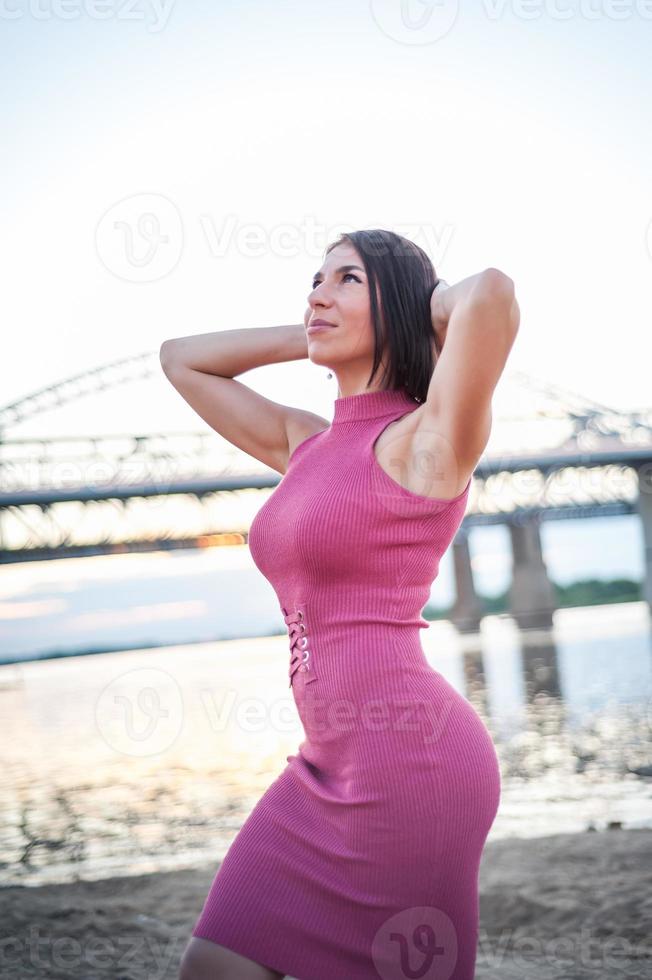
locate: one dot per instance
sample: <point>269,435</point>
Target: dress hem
<point>241,948</point>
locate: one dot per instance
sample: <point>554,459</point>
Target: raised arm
<point>202,368</point>
<point>475,323</point>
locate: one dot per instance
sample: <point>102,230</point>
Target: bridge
<point>558,456</point>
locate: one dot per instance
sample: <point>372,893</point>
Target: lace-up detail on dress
<point>297,630</point>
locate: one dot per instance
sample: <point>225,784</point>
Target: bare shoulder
<point>263,428</point>
<point>416,452</point>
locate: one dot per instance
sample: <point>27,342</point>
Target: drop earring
<point>329,375</point>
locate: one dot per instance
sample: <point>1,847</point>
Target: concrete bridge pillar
<point>531,596</point>
<point>467,609</point>
<point>645,511</point>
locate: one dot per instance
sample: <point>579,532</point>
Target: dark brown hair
<point>406,278</point>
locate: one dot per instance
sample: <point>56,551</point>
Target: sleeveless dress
<point>361,859</point>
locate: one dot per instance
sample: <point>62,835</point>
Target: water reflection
<point>569,711</point>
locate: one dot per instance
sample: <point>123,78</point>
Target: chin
<point>314,357</point>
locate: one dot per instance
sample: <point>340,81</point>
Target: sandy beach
<point>551,908</point>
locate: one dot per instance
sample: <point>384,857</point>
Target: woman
<point>361,859</point>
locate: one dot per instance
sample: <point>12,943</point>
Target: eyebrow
<point>342,268</point>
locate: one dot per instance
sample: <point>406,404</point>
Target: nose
<point>319,295</point>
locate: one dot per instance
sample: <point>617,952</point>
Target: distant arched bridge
<point>554,455</point>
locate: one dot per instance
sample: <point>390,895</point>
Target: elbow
<point>494,297</point>
<point>166,353</point>
<point>498,289</point>
<point>497,282</point>
<point>492,289</point>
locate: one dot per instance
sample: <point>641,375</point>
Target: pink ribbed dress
<point>361,859</point>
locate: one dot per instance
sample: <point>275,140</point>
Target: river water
<point>150,759</point>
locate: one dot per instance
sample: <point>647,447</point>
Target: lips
<point>320,325</point>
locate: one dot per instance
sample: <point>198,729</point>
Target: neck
<point>372,404</point>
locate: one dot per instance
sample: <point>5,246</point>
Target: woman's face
<point>341,296</point>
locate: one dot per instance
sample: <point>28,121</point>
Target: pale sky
<point>495,134</point>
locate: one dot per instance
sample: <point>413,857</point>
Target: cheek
<point>360,337</point>
<point>360,314</point>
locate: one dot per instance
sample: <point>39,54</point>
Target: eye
<point>316,282</point>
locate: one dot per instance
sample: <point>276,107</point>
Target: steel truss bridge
<point>128,492</point>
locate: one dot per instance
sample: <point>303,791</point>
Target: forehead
<point>339,256</point>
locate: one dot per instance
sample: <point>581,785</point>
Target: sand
<point>552,908</point>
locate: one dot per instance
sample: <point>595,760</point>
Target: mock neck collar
<point>372,404</point>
